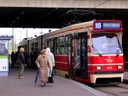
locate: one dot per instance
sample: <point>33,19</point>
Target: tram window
<point>61,39</point>
<point>55,45</point>
<point>78,48</point>
<point>36,46</point>
<point>105,43</point>
<point>67,43</point>
<point>45,43</point>
<point>61,45</point>
<point>51,45</point>
<point>25,47</point>
<point>32,46</point>
<point>61,50</point>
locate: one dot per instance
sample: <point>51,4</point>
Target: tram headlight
<point>98,67</point>
<point>119,67</point>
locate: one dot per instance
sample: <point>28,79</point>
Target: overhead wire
<point>85,12</point>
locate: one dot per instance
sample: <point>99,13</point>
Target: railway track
<point>120,89</point>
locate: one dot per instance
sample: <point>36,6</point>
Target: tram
<point>89,52</point>
<point>32,47</point>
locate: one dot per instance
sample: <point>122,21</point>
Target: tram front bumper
<point>94,77</point>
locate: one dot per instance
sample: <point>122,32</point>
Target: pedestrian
<point>12,59</point>
<point>42,65</point>
<point>21,62</point>
<point>51,61</point>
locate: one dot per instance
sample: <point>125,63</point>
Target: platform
<point>12,86</point>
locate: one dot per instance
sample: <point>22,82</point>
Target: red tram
<point>89,51</point>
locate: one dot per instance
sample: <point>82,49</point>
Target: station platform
<point>12,86</point>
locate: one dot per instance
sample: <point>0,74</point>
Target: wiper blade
<point>99,52</point>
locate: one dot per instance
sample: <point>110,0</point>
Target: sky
<point>20,33</point>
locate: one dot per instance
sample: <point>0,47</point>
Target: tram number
<point>98,25</point>
<point>109,67</point>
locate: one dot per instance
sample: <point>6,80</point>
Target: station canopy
<point>23,17</point>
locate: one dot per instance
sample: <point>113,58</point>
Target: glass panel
<point>62,39</point>
<point>46,43</point>
<point>32,48</point>
<point>105,44</point>
<point>61,45</point>
<point>51,45</point>
<point>36,47</point>
<point>67,43</point>
<point>55,46</point>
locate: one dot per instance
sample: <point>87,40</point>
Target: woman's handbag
<point>50,80</point>
<point>53,71</point>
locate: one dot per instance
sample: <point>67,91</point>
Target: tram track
<point>120,89</point>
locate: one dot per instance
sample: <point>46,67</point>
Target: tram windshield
<point>105,43</point>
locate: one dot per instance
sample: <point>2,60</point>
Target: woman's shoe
<point>21,77</point>
<point>42,84</point>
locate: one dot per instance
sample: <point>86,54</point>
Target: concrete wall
<point>114,4</point>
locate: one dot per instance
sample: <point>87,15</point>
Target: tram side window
<point>45,43</point>
<point>62,45</point>
<point>32,48</point>
<point>25,47</point>
<point>36,47</point>
<point>55,46</point>
<point>51,45</point>
<point>67,43</point>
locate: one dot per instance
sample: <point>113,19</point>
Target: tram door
<point>69,53</point>
<point>80,64</point>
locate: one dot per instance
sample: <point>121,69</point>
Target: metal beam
<point>108,4</point>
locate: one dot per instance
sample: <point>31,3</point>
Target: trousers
<point>21,69</point>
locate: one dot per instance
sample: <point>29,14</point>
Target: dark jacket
<point>21,58</point>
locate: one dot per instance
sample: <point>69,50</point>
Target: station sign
<point>6,37</point>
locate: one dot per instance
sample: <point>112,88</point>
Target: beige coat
<point>42,63</point>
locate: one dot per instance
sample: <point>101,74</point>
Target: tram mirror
<point>100,53</point>
<point>118,51</point>
<point>76,35</point>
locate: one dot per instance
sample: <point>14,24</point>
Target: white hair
<point>21,49</point>
<point>48,50</point>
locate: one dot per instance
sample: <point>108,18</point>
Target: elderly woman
<point>42,64</point>
<point>51,61</point>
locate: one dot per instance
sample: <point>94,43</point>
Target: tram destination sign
<point>107,25</point>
